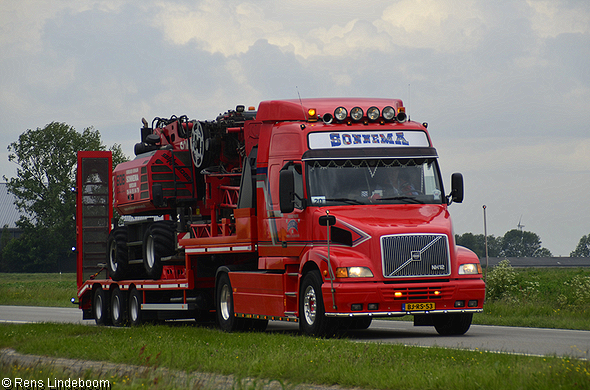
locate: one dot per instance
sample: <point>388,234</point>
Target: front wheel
<point>312,318</point>
<point>225,306</point>
<point>454,324</point>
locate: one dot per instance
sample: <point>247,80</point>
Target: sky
<point>504,85</point>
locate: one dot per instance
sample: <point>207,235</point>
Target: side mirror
<point>286,190</point>
<point>456,188</point>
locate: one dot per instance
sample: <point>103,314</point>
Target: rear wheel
<point>158,242</point>
<point>312,318</point>
<point>100,307</point>
<point>135,301</point>
<point>117,253</point>
<point>118,307</point>
<point>452,324</point>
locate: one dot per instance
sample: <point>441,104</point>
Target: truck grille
<point>415,255</point>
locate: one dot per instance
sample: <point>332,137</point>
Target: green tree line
<point>46,173</point>
<point>516,243</point>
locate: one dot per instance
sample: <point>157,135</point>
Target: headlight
<point>469,269</point>
<point>388,113</point>
<point>353,272</point>
<point>373,113</point>
<point>340,113</point>
<point>356,114</point>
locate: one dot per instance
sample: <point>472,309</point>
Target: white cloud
<point>443,25</point>
<point>552,17</point>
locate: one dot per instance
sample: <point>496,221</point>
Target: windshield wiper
<point>345,200</point>
<point>403,197</point>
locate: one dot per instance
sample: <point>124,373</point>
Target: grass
<point>291,359</point>
<point>37,289</point>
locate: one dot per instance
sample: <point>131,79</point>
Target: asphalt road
<point>502,339</point>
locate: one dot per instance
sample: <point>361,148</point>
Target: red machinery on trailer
<point>326,212</point>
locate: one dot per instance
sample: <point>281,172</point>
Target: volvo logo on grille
<point>416,256</point>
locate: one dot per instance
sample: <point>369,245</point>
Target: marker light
<point>311,115</point>
<point>356,114</point>
<point>388,113</point>
<point>340,113</point>
<point>373,113</point>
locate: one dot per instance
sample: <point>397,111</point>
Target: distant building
<point>9,214</point>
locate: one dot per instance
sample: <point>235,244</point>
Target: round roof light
<point>340,113</point>
<point>388,113</point>
<point>356,113</point>
<point>373,113</point>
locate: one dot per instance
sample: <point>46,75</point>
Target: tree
<point>477,243</point>
<point>518,243</point>
<point>583,248</point>
<point>46,174</point>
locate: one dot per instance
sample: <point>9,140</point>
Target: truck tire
<point>117,259</point>
<point>158,242</point>
<point>454,324</point>
<point>100,307</point>
<point>135,301</point>
<point>312,318</point>
<point>118,307</point>
<point>224,302</point>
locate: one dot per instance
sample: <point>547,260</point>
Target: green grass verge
<point>297,359</point>
<point>37,289</point>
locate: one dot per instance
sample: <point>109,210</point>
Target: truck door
<point>94,211</point>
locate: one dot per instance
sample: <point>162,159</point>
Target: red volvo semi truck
<point>326,212</point>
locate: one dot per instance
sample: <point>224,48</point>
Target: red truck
<point>325,212</point>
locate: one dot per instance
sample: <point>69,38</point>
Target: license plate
<point>418,306</point>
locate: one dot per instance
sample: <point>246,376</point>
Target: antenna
<point>300,102</point>
<point>409,100</point>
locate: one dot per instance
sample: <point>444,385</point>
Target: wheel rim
<point>98,307</point>
<point>134,309</point>
<point>149,251</point>
<point>116,308</point>
<point>225,302</point>
<point>198,145</point>
<point>113,256</point>
<point>309,305</point>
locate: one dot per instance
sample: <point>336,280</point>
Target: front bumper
<point>379,299</point>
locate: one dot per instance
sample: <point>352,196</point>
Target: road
<point>502,339</point>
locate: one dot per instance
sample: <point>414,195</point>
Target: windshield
<point>376,181</point>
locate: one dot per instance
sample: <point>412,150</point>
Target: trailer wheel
<point>158,242</point>
<point>312,318</point>
<point>225,306</point>
<point>118,262</point>
<point>454,324</point>
<point>118,307</point>
<point>135,301</point>
<point>100,307</point>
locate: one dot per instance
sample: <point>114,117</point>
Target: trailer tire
<point>117,259</point>
<point>224,302</point>
<point>312,318</point>
<point>158,242</point>
<point>135,301</point>
<point>119,307</point>
<point>100,307</point>
<point>454,324</point>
